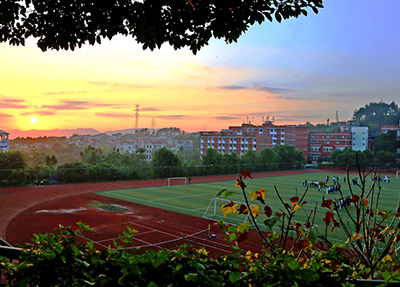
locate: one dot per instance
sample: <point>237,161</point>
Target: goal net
<point>397,174</point>
<point>214,212</point>
<point>175,181</point>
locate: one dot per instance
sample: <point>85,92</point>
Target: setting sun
<point>33,120</point>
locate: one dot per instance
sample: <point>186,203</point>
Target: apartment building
<point>314,145</point>
<point>240,139</point>
<point>3,141</point>
<point>359,138</point>
<point>227,141</point>
<point>322,144</point>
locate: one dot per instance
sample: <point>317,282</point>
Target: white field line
<point>150,201</point>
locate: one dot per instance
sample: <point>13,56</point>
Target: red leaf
<point>296,225</point>
<point>304,202</point>
<point>267,211</point>
<point>304,243</point>
<point>370,212</point>
<point>327,203</point>
<point>307,225</point>
<point>328,217</point>
<point>240,183</point>
<point>242,237</point>
<point>294,200</point>
<point>279,214</point>
<point>246,174</point>
<point>355,198</point>
<point>335,224</point>
<point>397,213</point>
<point>243,209</point>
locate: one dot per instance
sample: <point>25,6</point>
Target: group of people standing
<point>384,179</point>
<point>341,203</point>
<point>332,186</point>
<point>329,188</point>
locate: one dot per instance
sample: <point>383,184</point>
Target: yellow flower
<point>228,208</point>
<point>297,206</point>
<point>254,210</point>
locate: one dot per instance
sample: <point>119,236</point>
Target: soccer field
<point>200,199</point>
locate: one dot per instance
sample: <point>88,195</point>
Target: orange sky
<point>98,87</point>
<point>305,69</point>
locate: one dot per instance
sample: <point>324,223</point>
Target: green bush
<point>14,182</point>
<point>57,259</point>
<point>4,182</point>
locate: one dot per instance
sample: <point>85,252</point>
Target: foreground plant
<point>373,233</point>
<point>58,259</point>
<point>292,236</point>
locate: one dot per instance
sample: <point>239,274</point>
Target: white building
<point>3,141</point>
<point>359,138</point>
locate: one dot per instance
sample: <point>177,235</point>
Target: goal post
<point>214,212</point>
<point>397,174</point>
<point>175,181</point>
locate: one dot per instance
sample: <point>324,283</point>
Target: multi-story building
<point>322,144</point>
<point>226,141</point>
<point>3,141</point>
<point>359,138</point>
<point>314,145</point>
<point>240,139</point>
<point>297,136</point>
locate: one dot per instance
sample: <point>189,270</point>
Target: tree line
<point>97,165</point>
<point>383,154</point>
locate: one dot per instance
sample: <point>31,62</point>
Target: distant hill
<point>126,131</point>
<point>56,133</point>
<point>81,131</point>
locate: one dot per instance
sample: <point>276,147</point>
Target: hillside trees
<point>68,24</point>
<point>387,142</point>
<point>92,155</point>
<point>374,115</point>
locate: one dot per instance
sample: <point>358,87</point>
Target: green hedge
<point>57,259</point>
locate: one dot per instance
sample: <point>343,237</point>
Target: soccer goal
<point>214,212</point>
<point>397,173</point>
<point>175,181</point>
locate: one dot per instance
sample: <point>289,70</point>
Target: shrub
<point>14,182</point>
<point>4,182</point>
<point>74,263</point>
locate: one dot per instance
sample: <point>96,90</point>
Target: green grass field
<point>199,199</point>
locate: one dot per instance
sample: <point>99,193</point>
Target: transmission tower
<point>137,116</point>
<point>337,116</point>
<point>153,124</point>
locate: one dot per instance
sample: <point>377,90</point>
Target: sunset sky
<point>301,70</point>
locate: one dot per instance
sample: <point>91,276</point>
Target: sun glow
<point>33,120</point>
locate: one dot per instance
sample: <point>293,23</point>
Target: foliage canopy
<point>66,24</point>
<point>374,115</point>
